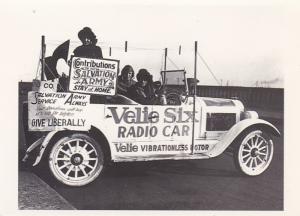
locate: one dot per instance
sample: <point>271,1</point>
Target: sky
<point>241,44</point>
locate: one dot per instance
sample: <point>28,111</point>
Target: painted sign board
<point>93,76</point>
<point>57,111</point>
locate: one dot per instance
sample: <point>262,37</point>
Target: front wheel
<point>76,160</point>
<point>253,153</point>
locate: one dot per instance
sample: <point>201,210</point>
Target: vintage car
<point>121,130</point>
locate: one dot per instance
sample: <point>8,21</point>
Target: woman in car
<point>125,80</point>
<point>143,91</point>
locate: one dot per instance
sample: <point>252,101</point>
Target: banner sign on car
<point>45,85</point>
<point>93,76</point>
<point>151,122</point>
<point>150,130</point>
<point>57,111</point>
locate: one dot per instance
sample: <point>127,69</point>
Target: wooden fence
<point>266,98</point>
<point>263,98</point>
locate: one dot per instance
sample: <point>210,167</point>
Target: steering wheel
<point>173,98</point>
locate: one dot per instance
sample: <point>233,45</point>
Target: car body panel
<point>154,132</point>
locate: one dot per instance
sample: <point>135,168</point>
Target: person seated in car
<point>125,80</point>
<point>144,91</point>
<point>88,49</point>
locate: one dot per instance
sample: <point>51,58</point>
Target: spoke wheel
<point>76,160</point>
<point>254,153</point>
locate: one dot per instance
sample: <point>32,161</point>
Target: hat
<point>87,32</point>
<point>143,74</point>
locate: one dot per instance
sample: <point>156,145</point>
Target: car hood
<point>220,104</point>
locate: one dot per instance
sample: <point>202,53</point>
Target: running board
<point>161,157</point>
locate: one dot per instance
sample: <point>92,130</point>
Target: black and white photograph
<point>172,107</point>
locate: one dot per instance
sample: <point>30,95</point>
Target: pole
<point>126,44</point>
<point>166,54</point>
<point>194,96</point>
<point>43,58</point>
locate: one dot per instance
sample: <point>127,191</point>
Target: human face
<point>129,75</point>
<point>144,83</point>
<point>87,41</point>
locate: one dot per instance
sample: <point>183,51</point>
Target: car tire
<point>76,160</point>
<point>253,152</point>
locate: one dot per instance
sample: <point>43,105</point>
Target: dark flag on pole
<point>61,52</point>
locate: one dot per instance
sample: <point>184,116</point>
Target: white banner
<point>45,86</point>
<point>153,130</point>
<point>93,76</point>
<point>57,111</point>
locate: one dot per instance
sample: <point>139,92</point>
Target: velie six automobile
<point>76,132</point>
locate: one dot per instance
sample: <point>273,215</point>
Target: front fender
<point>237,129</point>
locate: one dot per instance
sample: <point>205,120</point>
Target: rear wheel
<point>253,153</point>
<point>76,160</point>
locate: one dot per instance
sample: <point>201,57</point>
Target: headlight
<point>249,115</point>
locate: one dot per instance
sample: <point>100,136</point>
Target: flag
<point>61,52</point>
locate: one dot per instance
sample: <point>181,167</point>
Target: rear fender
<point>32,147</point>
<point>228,138</point>
<point>44,145</point>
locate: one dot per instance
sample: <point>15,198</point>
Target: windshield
<point>173,77</point>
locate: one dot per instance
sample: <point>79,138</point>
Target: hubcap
<point>254,152</point>
<point>76,159</point>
